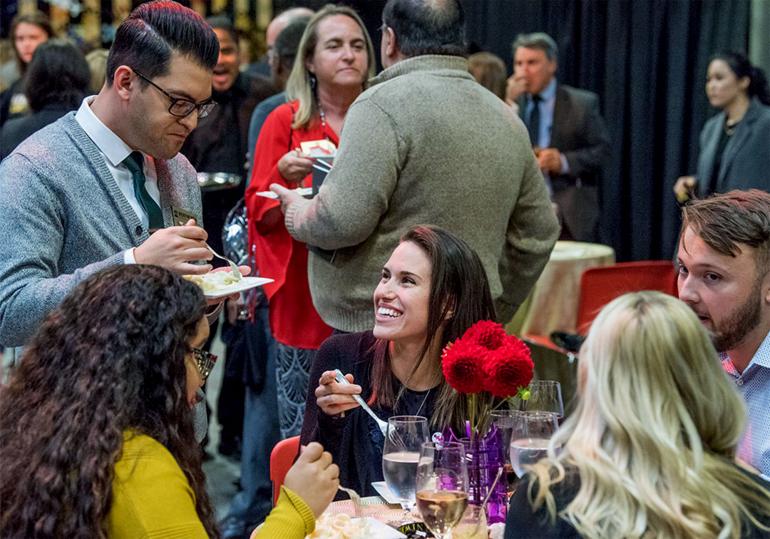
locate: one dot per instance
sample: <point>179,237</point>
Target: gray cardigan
<point>425,145</point>
<point>63,218</point>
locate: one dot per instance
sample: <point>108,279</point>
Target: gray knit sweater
<point>63,217</point>
<point>425,145</point>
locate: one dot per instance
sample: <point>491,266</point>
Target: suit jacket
<point>580,134</point>
<point>64,218</point>
<point>746,157</point>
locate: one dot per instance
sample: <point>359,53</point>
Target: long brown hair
<point>109,359</point>
<point>458,284</point>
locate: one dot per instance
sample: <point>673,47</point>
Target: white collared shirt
<point>115,151</point>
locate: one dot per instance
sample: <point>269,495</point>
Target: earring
<point>313,81</point>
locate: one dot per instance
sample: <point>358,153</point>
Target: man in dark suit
<point>567,132</point>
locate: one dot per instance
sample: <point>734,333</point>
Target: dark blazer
<point>580,134</point>
<point>746,158</point>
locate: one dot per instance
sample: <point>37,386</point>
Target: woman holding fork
<point>432,289</point>
<point>334,60</point>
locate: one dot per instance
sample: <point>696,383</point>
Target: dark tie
<point>134,163</point>
<point>533,125</point>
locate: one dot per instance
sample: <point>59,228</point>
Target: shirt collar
<point>761,356</point>
<point>110,144</point>
<point>549,92</point>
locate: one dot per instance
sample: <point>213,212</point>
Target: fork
<point>383,425</point>
<point>354,497</point>
<point>233,265</point>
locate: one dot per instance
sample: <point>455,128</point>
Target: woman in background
<point>96,422</point>
<point>489,71</point>
<point>334,60</point>
<point>733,144</point>
<point>650,448</point>
<point>56,82</point>
<point>27,32</point>
<point>432,289</point>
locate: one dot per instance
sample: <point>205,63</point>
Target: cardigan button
<point>138,230</point>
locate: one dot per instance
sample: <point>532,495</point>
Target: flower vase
<point>484,458</point>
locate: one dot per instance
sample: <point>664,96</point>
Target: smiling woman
<point>432,289</point>
<point>334,60</point>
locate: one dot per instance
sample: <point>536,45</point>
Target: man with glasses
<point>105,185</point>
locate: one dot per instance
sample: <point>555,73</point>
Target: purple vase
<point>484,457</point>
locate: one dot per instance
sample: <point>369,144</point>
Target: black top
<point>355,441</point>
<point>16,130</point>
<point>524,523</point>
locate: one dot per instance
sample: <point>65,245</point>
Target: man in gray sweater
<point>85,192</point>
<point>424,144</point>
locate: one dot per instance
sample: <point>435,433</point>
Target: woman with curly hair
<point>96,423</point>
<point>650,449</point>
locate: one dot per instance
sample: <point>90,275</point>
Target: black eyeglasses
<point>204,361</point>
<point>180,107</point>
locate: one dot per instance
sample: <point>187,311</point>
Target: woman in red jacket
<point>334,60</point>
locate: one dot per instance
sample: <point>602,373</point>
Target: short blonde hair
<point>654,434</point>
<point>298,86</point>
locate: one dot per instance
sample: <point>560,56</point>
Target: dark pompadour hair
<point>427,27</point>
<point>155,30</point>
<point>58,73</point>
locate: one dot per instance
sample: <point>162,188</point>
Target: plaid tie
<point>134,163</point>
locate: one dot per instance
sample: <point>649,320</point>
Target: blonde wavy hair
<point>653,436</point>
<point>298,85</point>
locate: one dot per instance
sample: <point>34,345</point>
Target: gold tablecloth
<point>552,304</point>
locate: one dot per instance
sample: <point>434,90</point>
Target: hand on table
<point>175,247</point>
<point>549,160</point>
<point>314,477</point>
<point>294,166</point>
<point>333,398</point>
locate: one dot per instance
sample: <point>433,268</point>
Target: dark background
<point>647,61</point>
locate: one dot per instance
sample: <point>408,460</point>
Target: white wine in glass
<point>442,486</point>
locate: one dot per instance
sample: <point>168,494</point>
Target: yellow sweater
<point>152,499</point>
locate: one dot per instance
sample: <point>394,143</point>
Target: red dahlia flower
<point>463,366</point>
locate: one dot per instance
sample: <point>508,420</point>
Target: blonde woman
<point>334,60</point>
<point>649,451</point>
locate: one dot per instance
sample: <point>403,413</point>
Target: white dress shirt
<point>115,152</point>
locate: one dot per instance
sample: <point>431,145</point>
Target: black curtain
<point>647,61</point>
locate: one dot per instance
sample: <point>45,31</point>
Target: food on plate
<point>340,527</point>
<point>213,280</point>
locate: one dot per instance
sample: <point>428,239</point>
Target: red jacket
<point>293,319</point>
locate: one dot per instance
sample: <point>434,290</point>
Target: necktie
<point>134,164</point>
<point>533,125</point>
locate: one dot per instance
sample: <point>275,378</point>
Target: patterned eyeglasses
<point>204,361</point>
<point>180,107</point>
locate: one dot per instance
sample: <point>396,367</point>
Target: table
<point>552,304</point>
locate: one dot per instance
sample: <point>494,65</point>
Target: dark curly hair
<point>109,359</point>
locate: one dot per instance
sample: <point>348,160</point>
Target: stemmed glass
<point>442,486</point>
<point>530,437</point>
<point>503,420</point>
<point>400,454</point>
<point>544,396</point>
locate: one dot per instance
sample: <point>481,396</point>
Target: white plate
<point>383,490</point>
<point>302,191</point>
<point>246,283</point>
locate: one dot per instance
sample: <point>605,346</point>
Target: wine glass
<point>442,486</point>
<point>530,437</point>
<point>400,454</point>
<point>544,396</point>
<point>503,420</point>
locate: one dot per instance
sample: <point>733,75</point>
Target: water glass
<point>530,437</point>
<point>400,454</point>
<point>544,396</point>
<point>503,420</point>
<point>442,486</point>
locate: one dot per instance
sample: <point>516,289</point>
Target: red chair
<point>599,286</point>
<point>281,459</point>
